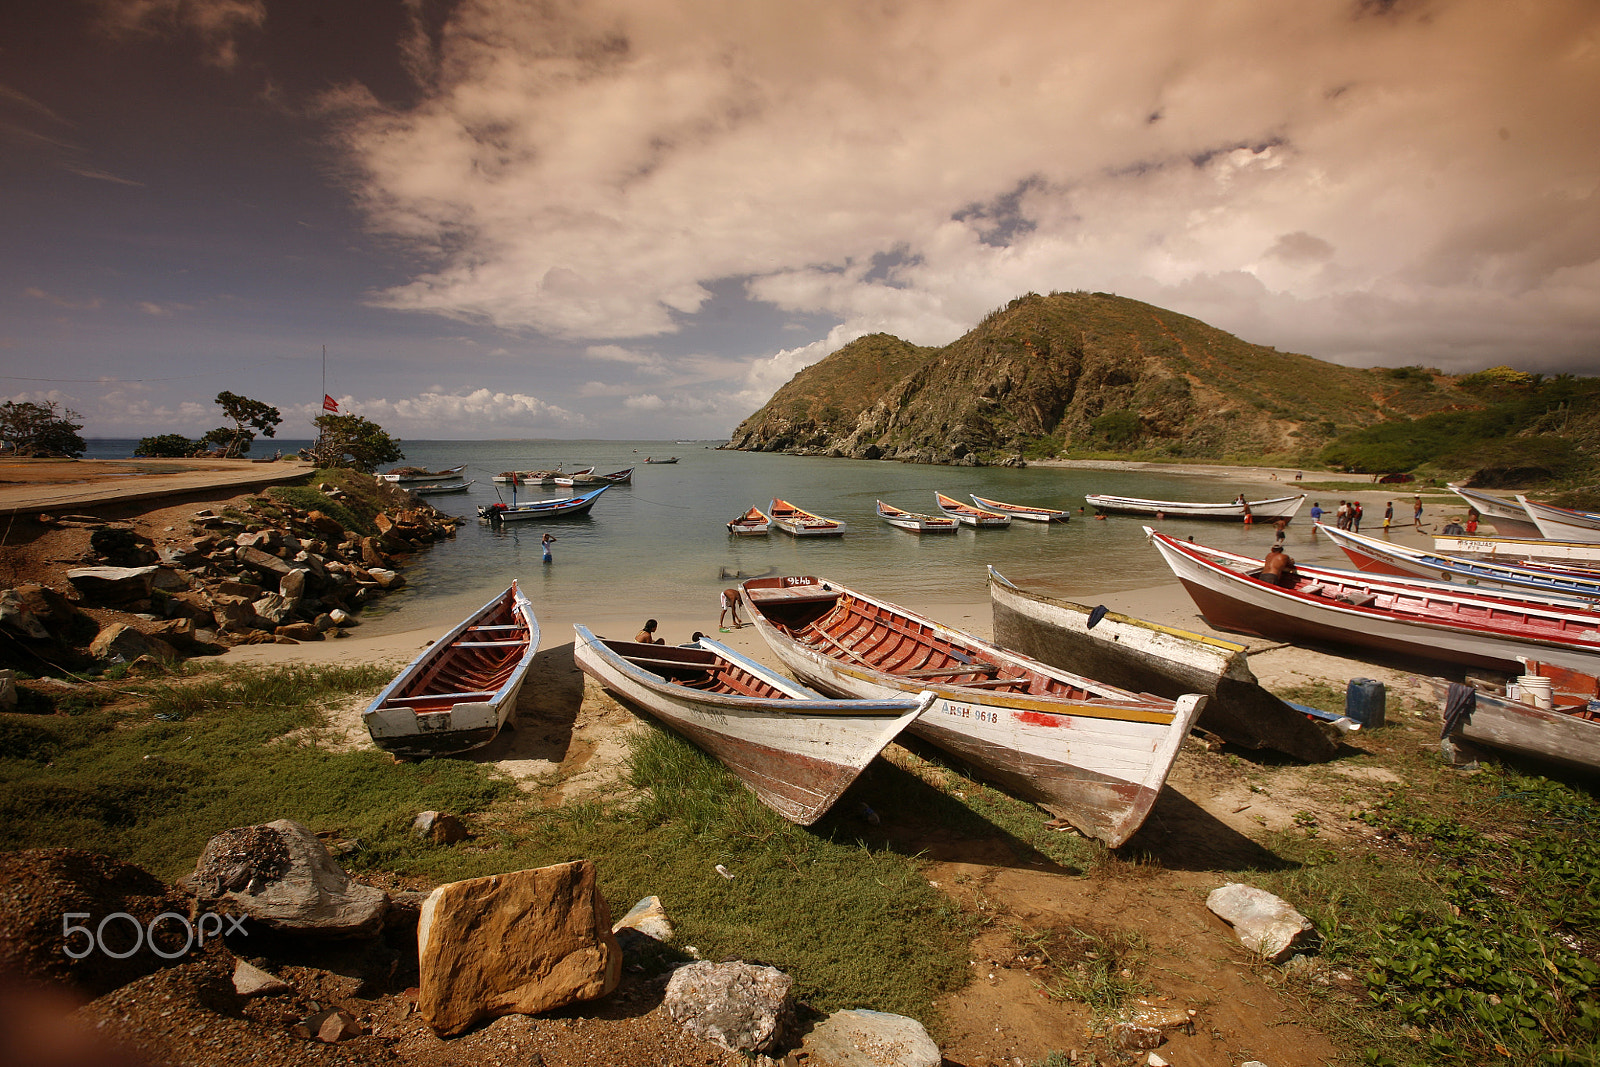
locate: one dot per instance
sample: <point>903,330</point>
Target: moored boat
<point>1269,510</point>
<point>565,507</point>
<point>796,749</point>
<point>1509,518</point>
<point>1563,524</point>
<point>541,477</point>
<point>1091,753</point>
<point>669,459</point>
<point>403,475</point>
<point>1567,732</point>
<point>753,523</point>
<point>1146,657</point>
<point>914,521</point>
<point>971,514</point>
<point>1404,616</point>
<point>1021,511</point>
<point>572,479</point>
<point>460,485</point>
<point>798,522</point>
<point>462,688</point>
<point>1373,556</point>
<point>622,477</point>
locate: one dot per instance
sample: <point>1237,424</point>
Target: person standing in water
<point>545,544</point>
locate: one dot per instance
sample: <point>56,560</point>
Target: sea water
<point>661,544</point>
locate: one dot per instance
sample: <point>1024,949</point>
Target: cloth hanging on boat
<point>1096,615</point>
<point>1458,704</point>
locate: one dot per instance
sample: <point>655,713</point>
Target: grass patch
<point>1096,967</point>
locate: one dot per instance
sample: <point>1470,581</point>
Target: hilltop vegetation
<point>1091,373</point>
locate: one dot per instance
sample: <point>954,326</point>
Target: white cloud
<point>218,24</point>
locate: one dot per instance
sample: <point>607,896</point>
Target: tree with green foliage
<point>165,446</point>
<point>1118,427</point>
<point>249,418</point>
<point>41,429</point>
<point>352,441</point>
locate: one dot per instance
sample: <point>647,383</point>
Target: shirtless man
<point>1278,568</point>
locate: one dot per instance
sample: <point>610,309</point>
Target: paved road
<point>29,487</point>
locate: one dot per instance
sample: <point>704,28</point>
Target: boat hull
<point>1563,524</point>
<point>1145,657</point>
<point>1021,511</point>
<point>798,752</point>
<point>1260,510</point>
<point>1517,548</point>
<point>797,522</point>
<point>915,522</point>
<point>422,476</point>
<point>970,515</point>
<point>542,509</point>
<point>1098,761</point>
<point>1508,518</point>
<point>1550,734</point>
<point>1372,556</point>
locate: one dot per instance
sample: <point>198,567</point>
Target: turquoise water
<point>661,543</point>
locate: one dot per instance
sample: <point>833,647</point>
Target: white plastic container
<point>1535,690</point>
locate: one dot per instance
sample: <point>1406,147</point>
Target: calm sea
<point>662,542</point>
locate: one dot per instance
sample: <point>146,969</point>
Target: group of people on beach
<point>730,605</point>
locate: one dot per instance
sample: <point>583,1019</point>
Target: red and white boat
<point>1021,511</point>
<point>1090,753</point>
<point>752,523</point>
<point>915,521</point>
<point>1509,518</point>
<point>1269,510</point>
<point>798,522</point>
<point>1520,549</point>
<point>1430,620</point>
<point>1373,556</point>
<point>971,515</point>
<point>1563,524</point>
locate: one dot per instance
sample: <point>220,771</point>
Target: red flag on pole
<point>329,403</point>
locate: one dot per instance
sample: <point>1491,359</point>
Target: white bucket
<point>1535,690</point>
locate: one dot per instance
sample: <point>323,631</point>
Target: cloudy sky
<point>637,218</point>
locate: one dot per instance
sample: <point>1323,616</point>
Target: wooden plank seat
<point>433,697</point>
<point>963,668</point>
<point>488,644</point>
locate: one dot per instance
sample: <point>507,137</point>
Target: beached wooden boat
<point>796,749</point>
<point>800,523</point>
<point>1509,518</point>
<point>971,514</point>
<point>403,475</point>
<point>753,523</point>
<point>545,477</point>
<point>1373,556</point>
<point>915,521</point>
<point>461,689</point>
<point>1021,511</point>
<point>1563,524</point>
<point>1091,753</point>
<point>1519,549</point>
<point>460,485</point>
<point>1412,617</point>
<point>565,507</point>
<point>1146,657</point>
<point>1270,510</point>
<point>1567,732</point>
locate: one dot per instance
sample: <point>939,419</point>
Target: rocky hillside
<point>1080,370</point>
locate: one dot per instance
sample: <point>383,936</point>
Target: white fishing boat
<point>1563,524</point>
<point>753,523</point>
<point>1374,556</point>
<point>1577,553</point>
<point>971,514</point>
<point>797,522</point>
<point>1268,510</point>
<point>1509,518</point>
<point>565,507</point>
<point>406,475</point>
<point>1021,511</point>
<point>438,488</point>
<point>915,521</point>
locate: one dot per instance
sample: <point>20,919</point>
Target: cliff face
<point>1087,369</point>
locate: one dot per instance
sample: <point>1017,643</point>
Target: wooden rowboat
<point>461,689</point>
<point>435,488</point>
<point>1021,511</point>
<point>1563,524</point>
<point>402,475</point>
<point>1521,549</point>
<point>622,477</point>
<point>1270,510</point>
<point>1088,752</point>
<point>915,522</point>
<point>1413,617</point>
<point>795,749</point>
<point>570,480</point>
<point>971,514</point>
<point>753,523</point>
<point>801,523</point>
<point>1509,518</point>
<point>669,459</point>
<point>545,477</point>
<point>1567,732</point>
<point>1147,657</point>
<point>566,507</point>
<point>1383,557</point>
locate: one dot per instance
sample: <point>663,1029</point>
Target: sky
<point>635,219</point>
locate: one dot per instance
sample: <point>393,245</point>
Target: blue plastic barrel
<point>1364,701</point>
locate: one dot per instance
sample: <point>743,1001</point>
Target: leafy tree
<point>247,415</point>
<point>41,429</point>
<point>223,437</point>
<point>165,446</point>
<point>352,441</point>
<point>1118,427</point>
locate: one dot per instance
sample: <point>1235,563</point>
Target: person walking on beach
<point>1416,514</point>
<point>544,545</point>
<point>1388,515</point>
<point>730,602</point>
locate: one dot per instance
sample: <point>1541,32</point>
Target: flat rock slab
<point>861,1038</point>
<point>1263,923</point>
<point>741,1006</point>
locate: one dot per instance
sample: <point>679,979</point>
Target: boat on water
<point>753,523</point>
<point>796,749</point>
<point>1021,511</point>
<point>1520,549</point>
<point>1407,616</point>
<point>971,514</point>
<point>1090,753</point>
<point>460,690</point>
<point>1372,556</point>
<point>1563,524</point>
<point>1146,657</point>
<point>915,521</point>
<point>570,480</point>
<point>1509,518</point>
<point>798,522</point>
<point>1567,732</point>
<point>622,477</point>
<point>1269,510</point>
<point>546,477</point>
<point>669,459</point>
<point>460,485</point>
<point>565,507</point>
<point>403,475</point>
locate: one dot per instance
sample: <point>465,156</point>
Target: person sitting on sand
<point>1278,568</point>
<point>647,636</point>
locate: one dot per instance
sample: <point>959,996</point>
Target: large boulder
<point>740,1006</point>
<point>522,942</point>
<point>281,875</point>
<point>120,643</point>
<point>112,585</point>
<point>862,1038</point>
